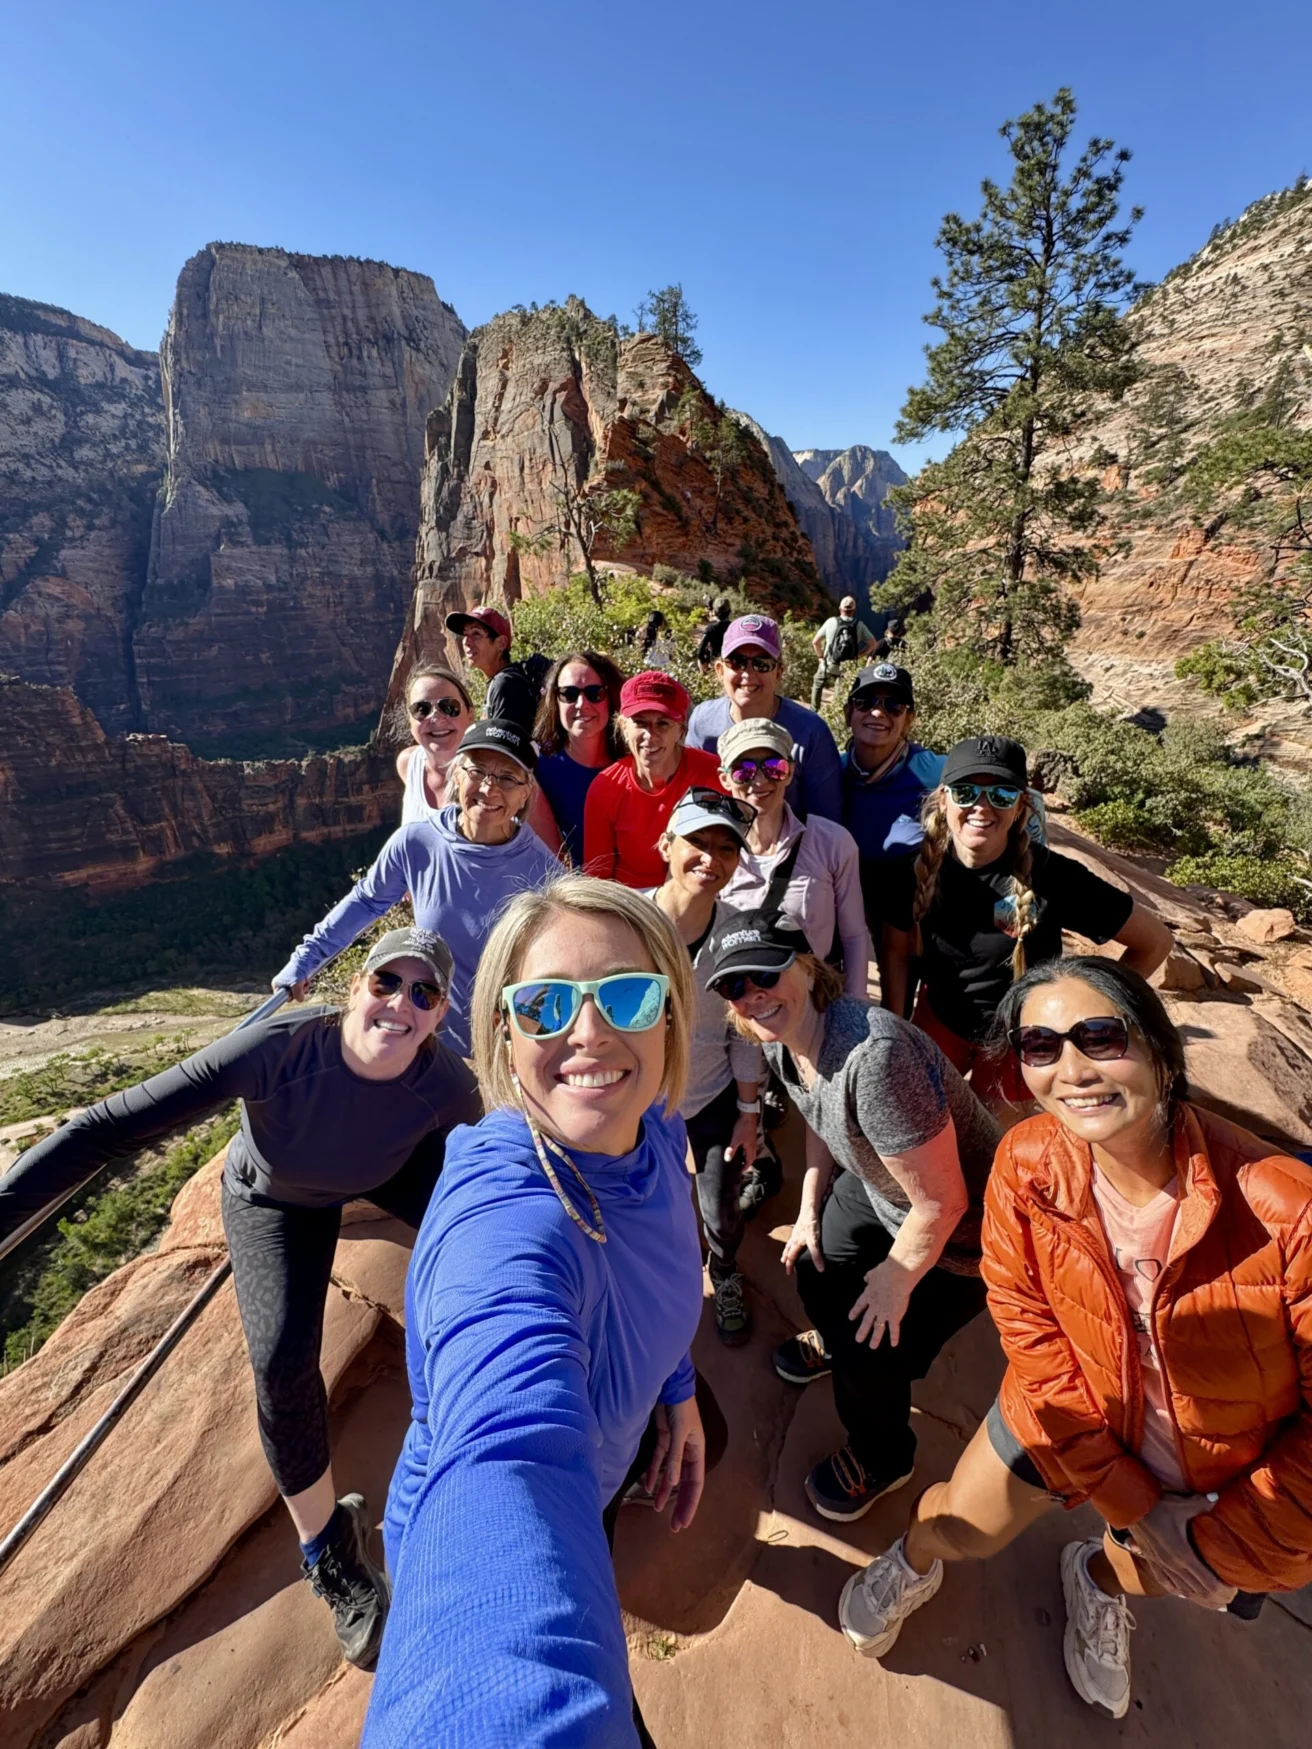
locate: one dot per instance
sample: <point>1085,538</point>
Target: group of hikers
<point>641,929</point>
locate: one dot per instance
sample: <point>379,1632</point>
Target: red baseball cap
<point>487,617</point>
<point>654,690</point>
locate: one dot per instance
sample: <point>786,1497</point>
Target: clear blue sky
<point>788,164</point>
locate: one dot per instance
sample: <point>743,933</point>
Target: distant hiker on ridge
<point>842,638</point>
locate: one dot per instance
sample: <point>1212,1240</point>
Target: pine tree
<point>1030,309</point>
<point>666,313</point>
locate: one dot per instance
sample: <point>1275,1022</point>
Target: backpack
<point>842,646</point>
<point>534,668</point>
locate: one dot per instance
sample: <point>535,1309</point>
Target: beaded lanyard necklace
<point>543,1145</point>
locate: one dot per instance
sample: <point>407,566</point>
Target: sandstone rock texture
<point>554,403</point>
<point>296,389</point>
<point>82,449</point>
<point>82,808</point>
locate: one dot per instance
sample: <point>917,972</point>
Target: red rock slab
<point>1244,1067</point>
<point>196,1217</point>
<point>151,1516</point>
<point>373,1255</point>
<point>334,1719</point>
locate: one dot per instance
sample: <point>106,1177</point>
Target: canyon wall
<point>554,405</point>
<point>296,389</point>
<point>82,449</point>
<point>81,808</point>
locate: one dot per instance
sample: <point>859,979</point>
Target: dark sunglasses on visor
<point>759,664</point>
<point>735,985</point>
<point>572,694</point>
<point>1000,795</point>
<point>775,767</point>
<point>424,707</point>
<point>716,802</point>
<point>628,1001</point>
<point>879,701</point>
<point>422,993</point>
<point>1102,1040</point>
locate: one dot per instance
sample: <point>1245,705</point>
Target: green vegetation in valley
<point>82,1077</point>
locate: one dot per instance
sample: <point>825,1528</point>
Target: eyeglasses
<point>760,664</point>
<point>735,985</point>
<point>879,701</point>
<point>546,1007</point>
<point>572,694</point>
<point>715,801</point>
<point>1102,1040</point>
<point>1000,795</point>
<point>424,707</point>
<point>775,767</point>
<point>485,779</point>
<point>424,995</point>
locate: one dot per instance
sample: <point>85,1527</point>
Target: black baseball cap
<point>987,756</point>
<point>888,677</point>
<point>500,735</point>
<point>754,941</point>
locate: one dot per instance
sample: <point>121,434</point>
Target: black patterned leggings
<point>282,1259</point>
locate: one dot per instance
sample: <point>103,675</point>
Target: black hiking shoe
<point>763,1179</point>
<point>803,1359</point>
<point>351,1585</point>
<point>733,1322</point>
<point>841,1486</point>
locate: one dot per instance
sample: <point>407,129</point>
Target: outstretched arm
<point>373,895</point>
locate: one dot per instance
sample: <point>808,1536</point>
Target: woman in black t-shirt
<point>988,902</point>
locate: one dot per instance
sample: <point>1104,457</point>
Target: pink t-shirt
<point>1140,1240</point>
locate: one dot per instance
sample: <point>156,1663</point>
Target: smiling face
<point>492,791</point>
<point>781,1013</point>
<point>703,863</point>
<point>979,832</point>
<point>382,1034</point>
<point>760,791</point>
<point>752,694</point>
<point>655,741</point>
<point>590,1085</point>
<point>582,722</point>
<point>437,734</point>
<point>480,649</point>
<point>1114,1105</point>
<point>876,731</point>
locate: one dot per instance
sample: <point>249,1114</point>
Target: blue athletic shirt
<point>536,1357</point>
<point>565,783</point>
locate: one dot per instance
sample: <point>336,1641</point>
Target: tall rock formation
<point>1217,336</point>
<point>553,407</point>
<point>296,388</point>
<point>81,454</point>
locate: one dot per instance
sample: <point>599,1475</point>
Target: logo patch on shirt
<point>1004,915</point>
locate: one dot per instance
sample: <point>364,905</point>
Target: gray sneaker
<point>733,1322</point>
<point>876,1602</point>
<point>1097,1642</point>
<point>351,1585</point>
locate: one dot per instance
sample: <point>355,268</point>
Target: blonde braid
<point>1021,846</point>
<point>933,848</point>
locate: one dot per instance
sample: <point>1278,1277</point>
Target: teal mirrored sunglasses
<point>628,1001</point>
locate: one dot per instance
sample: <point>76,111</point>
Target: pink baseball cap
<point>654,690</point>
<point>753,628</point>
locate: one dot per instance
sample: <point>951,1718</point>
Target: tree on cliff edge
<point>1030,309</point>
<point>666,314</point>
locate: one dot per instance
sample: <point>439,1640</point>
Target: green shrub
<point>1124,826</point>
<point>83,1077</point>
<point>1262,881</point>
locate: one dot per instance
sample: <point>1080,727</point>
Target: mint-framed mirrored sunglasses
<point>1000,795</point>
<point>628,1001</point>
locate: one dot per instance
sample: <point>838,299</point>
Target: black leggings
<point>718,1180</point>
<point>282,1259</point>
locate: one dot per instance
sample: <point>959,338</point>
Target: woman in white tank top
<point>438,710</point>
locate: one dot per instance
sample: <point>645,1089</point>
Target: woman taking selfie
<point>890,1269</point>
<point>721,1103</point>
<point>577,734</point>
<point>1149,1269</point>
<point>439,710</point>
<point>459,867</point>
<point>553,1296</point>
<point>629,805</point>
<point>987,902</point>
<point>333,1106</point>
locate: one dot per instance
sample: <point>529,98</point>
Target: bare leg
<point>980,1509</point>
<point>313,1506</point>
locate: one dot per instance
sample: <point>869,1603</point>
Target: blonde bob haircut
<point>522,921</point>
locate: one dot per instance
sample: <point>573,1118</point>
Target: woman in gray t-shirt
<point>888,1266</point>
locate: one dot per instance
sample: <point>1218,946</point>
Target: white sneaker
<point>1097,1641</point>
<point>877,1601</point>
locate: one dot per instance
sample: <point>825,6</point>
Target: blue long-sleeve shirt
<point>457,888</point>
<point>817,785</point>
<point>535,1359</point>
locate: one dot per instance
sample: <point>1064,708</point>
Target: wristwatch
<point>749,1107</point>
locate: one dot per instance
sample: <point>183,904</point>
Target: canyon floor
<point>160,1602</point>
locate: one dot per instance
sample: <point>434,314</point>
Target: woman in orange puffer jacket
<point>1149,1268</point>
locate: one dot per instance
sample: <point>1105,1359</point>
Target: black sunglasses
<point>879,701</point>
<point>422,993</point>
<point>735,985</point>
<point>424,707</point>
<point>761,664</point>
<point>572,694</point>
<point>716,802</point>
<point>1102,1040</point>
